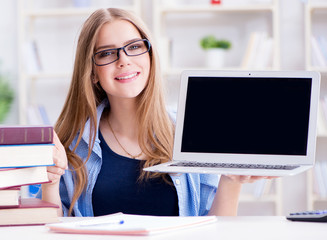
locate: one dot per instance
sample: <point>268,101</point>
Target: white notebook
<point>128,224</point>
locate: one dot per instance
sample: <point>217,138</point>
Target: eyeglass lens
<point>111,55</point>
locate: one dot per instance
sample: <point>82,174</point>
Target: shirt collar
<point>86,133</point>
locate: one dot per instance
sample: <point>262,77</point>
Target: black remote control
<point>309,216</point>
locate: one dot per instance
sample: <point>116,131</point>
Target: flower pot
<point>215,58</point>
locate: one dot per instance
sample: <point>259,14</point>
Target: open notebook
<point>128,224</point>
<point>245,123</point>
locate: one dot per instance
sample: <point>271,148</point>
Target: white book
<point>33,115</point>
<point>322,119</point>
<point>255,41</point>
<point>259,188</point>
<point>323,165</point>
<point>317,55</point>
<point>323,103</point>
<point>32,57</point>
<point>26,155</point>
<point>11,177</point>
<point>319,180</point>
<point>322,42</point>
<point>264,54</point>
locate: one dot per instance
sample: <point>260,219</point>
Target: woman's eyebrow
<point>113,46</point>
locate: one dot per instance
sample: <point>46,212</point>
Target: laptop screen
<point>247,115</point>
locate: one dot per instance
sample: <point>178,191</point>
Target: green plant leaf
<point>6,98</point>
<point>210,41</point>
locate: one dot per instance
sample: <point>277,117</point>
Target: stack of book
<point>25,153</point>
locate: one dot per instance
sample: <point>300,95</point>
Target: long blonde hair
<point>156,128</point>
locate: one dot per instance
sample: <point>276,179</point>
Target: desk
<point>238,228</point>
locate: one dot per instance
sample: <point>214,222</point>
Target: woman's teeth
<point>127,77</point>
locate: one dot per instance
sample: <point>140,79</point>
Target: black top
<point>117,188</point>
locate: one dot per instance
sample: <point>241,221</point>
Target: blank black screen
<point>247,115</point>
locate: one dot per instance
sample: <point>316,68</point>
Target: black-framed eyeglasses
<point>107,56</point>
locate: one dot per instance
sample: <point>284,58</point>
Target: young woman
<point>114,123</point>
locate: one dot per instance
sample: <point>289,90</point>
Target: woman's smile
<point>127,77</point>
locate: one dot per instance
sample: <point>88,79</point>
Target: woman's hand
<point>227,195</point>
<point>50,191</point>
<point>245,178</point>
<point>60,161</point>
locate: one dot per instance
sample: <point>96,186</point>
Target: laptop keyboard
<point>234,165</point>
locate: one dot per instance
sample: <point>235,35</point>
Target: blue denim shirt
<point>195,191</point>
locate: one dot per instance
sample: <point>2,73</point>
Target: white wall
<point>8,53</point>
<point>292,57</point>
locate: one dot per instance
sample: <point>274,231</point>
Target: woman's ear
<point>94,79</point>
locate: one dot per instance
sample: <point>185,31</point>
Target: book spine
<point>26,135</point>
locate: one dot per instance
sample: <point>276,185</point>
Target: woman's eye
<point>106,54</point>
<point>134,47</point>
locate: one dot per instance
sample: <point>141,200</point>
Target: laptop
<point>260,123</point>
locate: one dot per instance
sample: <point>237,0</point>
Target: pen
<point>86,224</point>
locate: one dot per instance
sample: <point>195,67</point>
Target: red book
<point>31,211</point>
<point>15,135</point>
<point>11,177</point>
<point>215,1</point>
<point>10,197</point>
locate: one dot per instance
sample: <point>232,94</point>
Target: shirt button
<point>177,181</point>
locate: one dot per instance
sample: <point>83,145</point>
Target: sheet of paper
<point>126,224</point>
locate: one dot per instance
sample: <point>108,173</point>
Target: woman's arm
<point>226,200</point>
<point>50,191</point>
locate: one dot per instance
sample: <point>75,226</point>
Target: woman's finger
<point>53,177</point>
<point>55,170</point>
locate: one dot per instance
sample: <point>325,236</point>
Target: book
<point>129,224</point>
<point>11,177</point>
<point>322,118</point>
<point>322,42</point>
<point>319,179</point>
<point>37,115</point>
<point>31,211</point>
<point>31,53</point>
<point>25,134</point>
<point>259,188</point>
<point>26,155</point>
<point>10,197</point>
<point>256,44</point>
<point>317,55</point>
<point>323,168</point>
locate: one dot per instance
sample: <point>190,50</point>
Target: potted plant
<point>215,50</point>
<point>6,97</point>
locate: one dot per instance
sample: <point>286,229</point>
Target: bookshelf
<point>267,196</point>
<point>53,27</point>
<point>175,22</point>
<point>165,16</point>
<point>316,60</point>
<point>43,22</point>
<point>35,16</point>
<point>196,19</point>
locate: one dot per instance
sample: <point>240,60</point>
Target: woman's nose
<point>123,59</point>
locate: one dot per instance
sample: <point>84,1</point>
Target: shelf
<point>318,198</point>
<point>49,75</point>
<point>28,12</point>
<point>318,69</point>
<point>264,198</point>
<point>178,71</point>
<point>221,8</point>
<point>65,12</point>
<point>317,6</point>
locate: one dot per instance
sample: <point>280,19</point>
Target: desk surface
<point>276,227</point>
